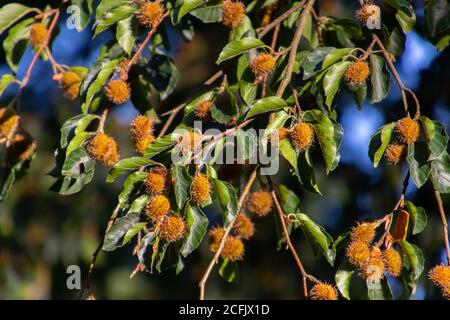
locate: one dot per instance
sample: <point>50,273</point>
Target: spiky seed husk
<point>117,91</point>
<point>393,261</point>
<point>203,109</point>
<point>358,253</point>
<point>157,208</point>
<point>172,228</point>
<point>302,136</point>
<point>260,203</point>
<point>368,14</point>
<point>141,130</point>
<point>374,269</point>
<point>21,148</point>
<point>357,73</point>
<point>364,232</point>
<point>9,122</point>
<point>243,226</point>
<point>262,64</point>
<point>233,248</point>
<point>440,276</point>
<point>104,149</point>
<point>156,180</point>
<point>189,142</point>
<point>233,13</point>
<point>70,82</point>
<point>395,153</point>
<point>200,188</point>
<point>150,13</point>
<point>38,35</point>
<point>408,130</point>
<point>323,291</point>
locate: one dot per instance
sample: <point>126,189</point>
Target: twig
<point>173,113</point>
<point>293,48</point>
<point>394,72</point>
<point>111,220</point>
<point>263,31</point>
<point>101,126</point>
<point>141,47</point>
<point>444,224</point>
<point>282,216</point>
<point>214,260</point>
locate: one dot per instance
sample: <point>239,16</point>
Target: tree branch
<point>282,216</point>
<point>444,224</point>
<point>394,72</point>
<point>214,260</point>
<point>111,220</point>
<point>293,48</point>
<point>263,31</point>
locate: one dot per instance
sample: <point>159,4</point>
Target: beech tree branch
<point>293,48</point>
<point>214,260</point>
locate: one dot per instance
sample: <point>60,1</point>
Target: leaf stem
<point>444,224</point>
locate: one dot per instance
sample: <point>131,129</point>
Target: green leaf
<point>440,173</point>
<point>75,125</point>
<point>415,262</point>
<point>277,122</point>
<point>229,271</point>
<point>187,6</point>
<point>379,141</point>
<point>107,5</point>
<point>305,172</point>
<point>11,13</point>
<point>129,185</point>
<point>208,14</point>
<point>237,47</point>
<point>122,225</point>
<point>5,81</point>
<point>380,290</point>
<point>16,43</point>
<point>313,59</point>
<point>343,278</point>
<point>8,176</point>
<point>436,136</point>
<point>359,94</point>
<point>77,164</point>
<point>325,132</point>
<point>125,34</point>
<point>288,152</point>
<point>76,142</point>
<point>418,166</point>
<point>132,232</point>
<point>379,78</point>
<point>437,17</point>
<point>197,224</point>
<point>182,183</point>
<point>334,56</point>
<point>289,201</point>
<point>419,217</point>
<point>107,68</point>
<point>405,13</point>
<point>332,80</point>
<point>265,105</point>
<point>228,198</point>
<point>146,242</point>
<point>84,9</point>
<point>317,236</point>
<point>126,165</point>
<point>112,17</point>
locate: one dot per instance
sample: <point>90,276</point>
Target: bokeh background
<point>41,232</point>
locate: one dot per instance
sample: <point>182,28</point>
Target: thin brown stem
<point>141,47</point>
<point>214,260</point>
<point>293,48</point>
<point>394,72</point>
<point>444,224</point>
